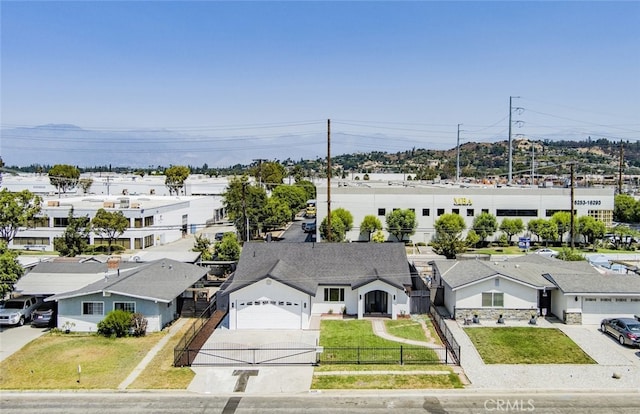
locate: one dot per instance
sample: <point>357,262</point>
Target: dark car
<point>626,330</point>
<point>219,235</point>
<point>45,315</point>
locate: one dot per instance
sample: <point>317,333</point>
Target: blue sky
<point>262,78</point>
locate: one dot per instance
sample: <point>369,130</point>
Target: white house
<point>519,287</point>
<point>281,285</point>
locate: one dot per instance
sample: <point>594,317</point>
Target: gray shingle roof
<point>162,280</point>
<point>570,277</point>
<point>304,266</point>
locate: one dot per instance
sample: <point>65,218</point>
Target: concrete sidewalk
<point>173,329</point>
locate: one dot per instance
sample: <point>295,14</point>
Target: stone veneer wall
<point>572,318</point>
<point>492,314</point>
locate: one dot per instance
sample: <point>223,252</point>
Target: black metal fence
<point>193,330</point>
<point>445,334</point>
<point>300,354</point>
<point>385,355</point>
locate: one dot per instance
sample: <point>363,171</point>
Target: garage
<point>268,314</point>
<point>594,309</point>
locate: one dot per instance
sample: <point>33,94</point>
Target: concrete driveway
<point>12,338</point>
<point>255,379</point>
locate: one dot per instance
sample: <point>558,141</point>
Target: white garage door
<point>594,310</point>
<point>269,314</point>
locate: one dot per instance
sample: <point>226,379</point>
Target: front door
<point>375,302</point>
<point>544,302</point>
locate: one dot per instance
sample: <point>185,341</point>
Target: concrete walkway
<point>380,330</point>
<point>173,329</point>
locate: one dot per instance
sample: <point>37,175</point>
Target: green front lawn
<point>526,345</point>
<point>406,328</point>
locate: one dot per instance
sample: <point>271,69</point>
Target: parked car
<point>547,252</point>
<point>45,315</point>
<point>626,330</point>
<point>219,235</point>
<point>309,227</point>
<point>18,310</point>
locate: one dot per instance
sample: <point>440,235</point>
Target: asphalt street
<point>327,402</point>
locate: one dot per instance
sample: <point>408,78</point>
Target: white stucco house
<point>282,285</point>
<point>519,287</point>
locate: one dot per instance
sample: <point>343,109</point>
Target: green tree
<point>109,225</point>
<point>345,216</point>
<point>244,203</point>
<point>535,226</point>
<point>308,188</point>
<point>10,269</point>
<point>562,220</point>
<point>175,176</point>
<point>472,238</point>
<point>64,177</point>
<point>85,184</point>
<point>338,229</point>
<point>590,229</point>
<point>294,196</point>
<point>75,238</point>
<point>401,223</point>
<point>203,245</point>
<point>16,211</point>
<point>270,174</point>
<point>369,225</point>
<point>511,227</point>
<point>485,225</point>
<point>624,207</point>
<point>448,239</point>
<point>277,214</point>
<point>228,248</point>
<point>548,231</point>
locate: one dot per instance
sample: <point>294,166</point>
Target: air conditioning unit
<point>135,205</point>
<point>108,204</point>
<point>53,203</point>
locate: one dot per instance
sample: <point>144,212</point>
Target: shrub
<point>117,323</point>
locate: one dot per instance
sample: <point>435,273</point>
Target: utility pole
<point>244,210</point>
<point>620,164</point>
<point>533,165</point>
<point>510,154</point>
<point>329,232</point>
<point>259,160</point>
<point>572,229</point>
<point>458,157</point>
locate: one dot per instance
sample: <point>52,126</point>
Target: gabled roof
<point>162,280</point>
<point>305,266</point>
<point>49,278</point>
<point>458,274</point>
<point>539,272</point>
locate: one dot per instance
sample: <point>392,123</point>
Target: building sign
<point>587,202</point>
<point>524,242</point>
<point>462,201</point>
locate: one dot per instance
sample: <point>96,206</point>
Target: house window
<point>426,212</point>
<point>493,299</point>
<point>485,210</point>
<point>125,306</point>
<point>334,294</point>
<point>456,211</point>
<point>382,211</point>
<point>440,211</point>
<point>469,212</point>
<point>93,308</point>
<point>589,299</point>
<point>621,300</point>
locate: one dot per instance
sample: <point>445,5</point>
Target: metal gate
<point>235,354</point>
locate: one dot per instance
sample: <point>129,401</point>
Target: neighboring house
<point>281,285</point>
<point>522,286</point>
<point>154,289</point>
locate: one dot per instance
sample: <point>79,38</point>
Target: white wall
<point>516,295</point>
<point>268,289</point>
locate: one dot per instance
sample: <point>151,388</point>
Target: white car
<point>17,311</point>
<point>547,252</point>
